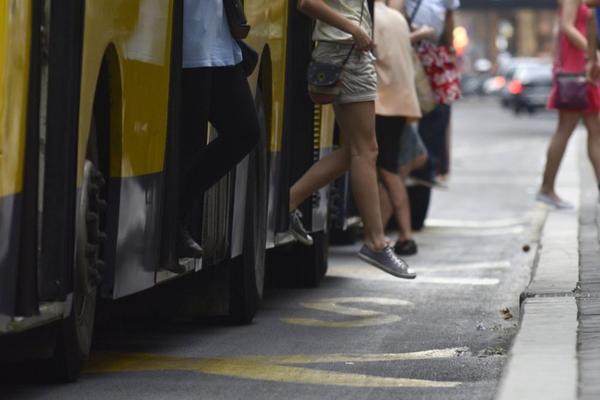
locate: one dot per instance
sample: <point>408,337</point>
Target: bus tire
<point>248,270</point>
<point>75,332</point>
<point>419,198</point>
<point>301,266</point>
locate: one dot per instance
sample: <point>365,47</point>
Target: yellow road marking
<point>366,317</point>
<point>273,369</point>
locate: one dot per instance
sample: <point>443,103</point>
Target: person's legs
<point>432,128</point>
<point>592,123</point>
<point>195,107</point>
<point>357,123</point>
<point>398,196</point>
<point>385,203</point>
<point>567,123</point>
<point>320,174</point>
<point>237,136</point>
<point>359,153</point>
<point>446,146</point>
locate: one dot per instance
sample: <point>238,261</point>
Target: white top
<point>396,90</point>
<point>350,9</point>
<point>207,41</point>
<point>432,13</point>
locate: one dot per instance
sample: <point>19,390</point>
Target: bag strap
<point>362,13</point>
<point>414,13</point>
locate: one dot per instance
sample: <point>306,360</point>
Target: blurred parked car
<point>528,86</point>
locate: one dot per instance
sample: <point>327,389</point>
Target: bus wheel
<point>311,261</point>
<point>75,332</point>
<point>248,270</point>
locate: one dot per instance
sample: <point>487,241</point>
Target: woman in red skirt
<point>575,20</point>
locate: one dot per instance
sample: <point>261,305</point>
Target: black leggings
<point>433,129</point>
<point>222,96</point>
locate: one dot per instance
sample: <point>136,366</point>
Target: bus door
<point>19,87</point>
<point>59,98</point>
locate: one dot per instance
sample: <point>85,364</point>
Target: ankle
<point>377,246</point>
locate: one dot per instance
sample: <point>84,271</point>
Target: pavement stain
<point>282,369</point>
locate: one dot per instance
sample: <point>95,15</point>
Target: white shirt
<point>431,13</point>
<point>350,9</point>
<point>207,41</point>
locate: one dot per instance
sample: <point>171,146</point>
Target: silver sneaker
<point>552,202</point>
<point>297,230</point>
<point>387,261</point>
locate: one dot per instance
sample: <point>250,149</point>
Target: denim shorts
<point>359,77</point>
<point>411,145</point>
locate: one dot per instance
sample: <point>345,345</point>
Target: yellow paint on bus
<point>15,38</point>
<point>135,36</point>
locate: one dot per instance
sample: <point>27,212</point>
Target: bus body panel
<point>323,144</point>
<point>135,36</point>
<point>15,40</point>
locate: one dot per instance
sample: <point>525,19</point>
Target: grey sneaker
<point>387,261</point>
<point>297,229</point>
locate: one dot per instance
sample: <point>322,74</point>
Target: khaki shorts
<point>359,78</point>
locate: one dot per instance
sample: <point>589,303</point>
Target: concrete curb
<point>543,366</point>
<point>542,362</point>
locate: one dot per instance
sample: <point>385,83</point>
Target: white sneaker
<point>552,202</point>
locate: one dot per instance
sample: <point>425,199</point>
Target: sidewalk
<point>556,354</point>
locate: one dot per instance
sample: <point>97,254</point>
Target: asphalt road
<point>362,334</point>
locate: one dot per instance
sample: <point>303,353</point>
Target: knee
<point>368,152</point>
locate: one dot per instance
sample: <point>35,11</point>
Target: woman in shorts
<point>343,27</point>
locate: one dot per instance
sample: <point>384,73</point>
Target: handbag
<point>249,57</point>
<point>324,79</point>
<point>571,87</point>
<point>236,19</point>
<point>425,94</point>
<point>571,91</point>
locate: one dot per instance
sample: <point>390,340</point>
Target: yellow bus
<point>89,117</point>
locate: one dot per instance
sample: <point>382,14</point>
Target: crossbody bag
<point>571,87</point>
<point>325,78</point>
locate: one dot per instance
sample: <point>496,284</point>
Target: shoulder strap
<point>362,13</point>
<point>414,13</point>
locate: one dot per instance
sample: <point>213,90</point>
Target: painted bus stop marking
<point>364,317</point>
<point>280,369</point>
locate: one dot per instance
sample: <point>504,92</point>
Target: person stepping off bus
<point>214,86</point>
<point>343,27</point>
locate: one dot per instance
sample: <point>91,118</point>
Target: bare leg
<point>357,124</point>
<point>386,205</point>
<point>320,174</point>
<point>592,123</point>
<point>567,123</point>
<point>399,199</point>
<point>417,163</point>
